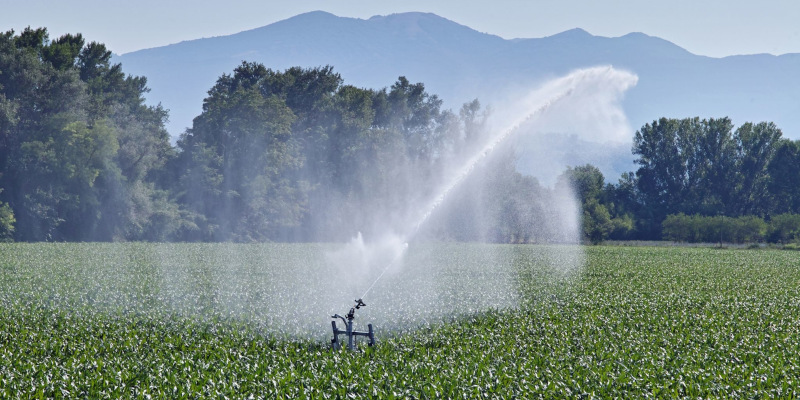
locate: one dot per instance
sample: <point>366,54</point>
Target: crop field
<point>174,321</point>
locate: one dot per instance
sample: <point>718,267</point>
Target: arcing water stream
<point>291,290</point>
<point>578,83</point>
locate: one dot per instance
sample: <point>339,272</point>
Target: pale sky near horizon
<point>714,28</point>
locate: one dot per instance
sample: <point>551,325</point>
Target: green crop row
<point>457,321</point>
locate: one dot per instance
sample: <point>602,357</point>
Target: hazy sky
<point>707,27</point>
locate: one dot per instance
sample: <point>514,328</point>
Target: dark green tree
<point>756,145</point>
<point>587,183</point>
<point>237,158</point>
<point>409,109</point>
<point>77,143</point>
<point>665,175</point>
<point>715,158</point>
<point>685,166</point>
<point>784,228</point>
<point>784,175</point>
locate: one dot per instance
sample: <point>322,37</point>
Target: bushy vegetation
<point>299,155</point>
<point>294,155</point>
<point>635,322</point>
<point>696,228</point>
<point>7,221</point>
<point>698,167</point>
<point>782,228</point>
<point>79,150</point>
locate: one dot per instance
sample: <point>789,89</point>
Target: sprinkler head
<point>359,304</point>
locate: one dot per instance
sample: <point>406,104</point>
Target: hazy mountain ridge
<point>459,64</point>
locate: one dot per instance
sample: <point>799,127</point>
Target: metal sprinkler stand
<point>348,323</point>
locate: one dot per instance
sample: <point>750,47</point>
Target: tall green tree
<point>77,143</point>
<point>237,159</point>
<point>667,167</point>
<point>784,175</point>
<point>756,145</point>
<point>599,219</point>
<point>704,167</point>
<point>408,108</point>
<point>715,156</point>
<point>690,166</point>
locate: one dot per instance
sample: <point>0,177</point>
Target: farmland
<point>458,320</point>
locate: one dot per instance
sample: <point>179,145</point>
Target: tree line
<point>694,175</point>
<point>79,150</point>
<point>295,155</point>
<point>298,155</point>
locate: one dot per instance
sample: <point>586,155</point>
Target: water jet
<point>550,99</point>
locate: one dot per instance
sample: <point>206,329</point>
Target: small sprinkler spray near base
<point>348,323</point>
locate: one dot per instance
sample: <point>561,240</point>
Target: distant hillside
<point>459,64</point>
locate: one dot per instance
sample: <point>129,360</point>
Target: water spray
<point>564,88</point>
<point>348,320</point>
<point>438,200</point>
<point>388,266</point>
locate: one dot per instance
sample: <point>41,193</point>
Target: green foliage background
<point>300,156</point>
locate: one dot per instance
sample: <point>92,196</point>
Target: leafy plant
<point>200,321</point>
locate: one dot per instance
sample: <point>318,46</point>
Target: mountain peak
<point>416,19</point>
<point>435,27</point>
<point>639,38</point>
<point>406,17</point>
<point>459,64</point>
<point>309,19</point>
<point>574,33</point>
<point>312,15</point>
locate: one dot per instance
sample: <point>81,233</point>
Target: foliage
<point>243,140</point>
<point>597,204</point>
<point>784,228</point>
<point>7,221</point>
<point>756,146</point>
<point>698,228</point>
<point>636,322</point>
<point>77,143</point>
<point>703,167</point>
<point>784,173</point>
<point>298,155</point>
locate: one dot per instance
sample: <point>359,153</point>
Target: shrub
<point>697,228</point>
<point>7,222</point>
<point>784,228</point>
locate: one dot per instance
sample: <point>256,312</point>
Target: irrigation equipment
<point>559,90</point>
<point>348,331</point>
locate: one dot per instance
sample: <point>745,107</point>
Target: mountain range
<point>459,64</point>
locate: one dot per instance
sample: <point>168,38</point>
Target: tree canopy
<point>77,143</point>
<point>299,155</point>
<point>706,168</point>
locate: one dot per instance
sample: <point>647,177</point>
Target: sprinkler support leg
<point>351,334</point>
<point>371,335</point>
<point>335,341</point>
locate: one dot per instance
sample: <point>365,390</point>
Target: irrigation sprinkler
<point>348,320</point>
<point>557,91</point>
<point>348,323</point>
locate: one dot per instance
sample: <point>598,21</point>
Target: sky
<point>715,28</point>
